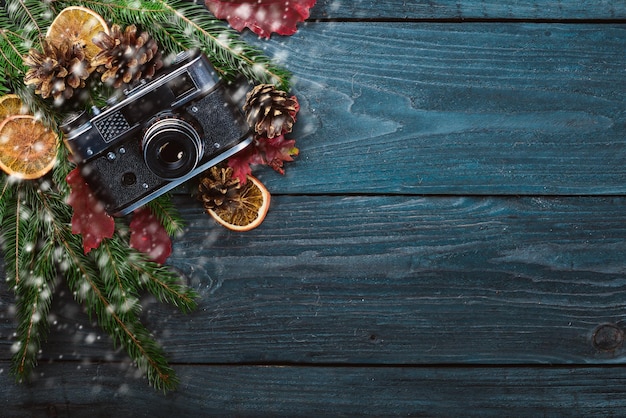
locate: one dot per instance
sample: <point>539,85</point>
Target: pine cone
<point>269,111</point>
<point>217,185</point>
<point>126,56</point>
<point>58,70</point>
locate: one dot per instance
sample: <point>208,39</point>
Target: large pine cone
<point>57,71</point>
<point>217,185</point>
<point>269,111</point>
<point>126,56</point>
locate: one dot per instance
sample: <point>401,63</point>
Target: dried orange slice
<point>246,210</point>
<point>28,148</point>
<point>79,25</point>
<point>11,104</point>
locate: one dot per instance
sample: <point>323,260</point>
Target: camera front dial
<point>171,147</point>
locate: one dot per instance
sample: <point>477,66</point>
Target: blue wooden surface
<point>470,9</point>
<point>480,108</point>
<point>450,241</point>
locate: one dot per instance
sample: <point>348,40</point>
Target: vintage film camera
<point>159,135</point>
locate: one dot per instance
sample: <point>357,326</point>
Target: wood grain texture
<point>469,9</point>
<point>450,241</point>
<point>94,390</point>
<point>386,280</point>
<point>457,109</point>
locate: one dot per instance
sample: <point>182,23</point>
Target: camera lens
<point>171,153</point>
<point>171,148</point>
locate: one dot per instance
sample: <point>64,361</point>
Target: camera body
<point>159,135</point>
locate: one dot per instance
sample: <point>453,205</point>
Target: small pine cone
<point>58,70</point>
<point>269,111</point>
<point>217,185</point>
<point>126,56</point>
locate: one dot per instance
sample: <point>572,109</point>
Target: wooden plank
<point>388,280</point>
<point>469,9</point>
<point>457,108</point>
<point>94,390</point>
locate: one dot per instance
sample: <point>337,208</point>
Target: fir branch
<point>161,281</point>
<point>107,282</point>
<point>164,284</point>
<point>167,214</point>
<point>230,53</point>
<point>60,171</point>
<point>31,278</point>
<point>11,57</point>
<point>44,110</point>
<point>6,194</point>
<point>33,306</point>
<point>84,277</point>
<point>125,329</point>
<point>180,25</point>
<point>31,16</point>
<point>123,326</point>
<point>34,300</point>
<point>119,281</point>
<point>14,232</point>
<point>22,23</point>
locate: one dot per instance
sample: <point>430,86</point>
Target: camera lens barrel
<point>171,148</point>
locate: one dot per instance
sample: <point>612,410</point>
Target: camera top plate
<point>188,78</point>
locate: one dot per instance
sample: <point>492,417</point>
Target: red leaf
<point>240,163</point>
<point>268,151</point>
<point>148,236</point>
<point>277,150</point>
<point>89,218</point>
<point>262,16</point>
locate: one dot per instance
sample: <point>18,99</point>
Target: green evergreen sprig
<point>22,25</point>
<point>28,276</point>
<point>167,214</point>
<point>180,25</point>
<point>108,281</point>
<point>35,221</point>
